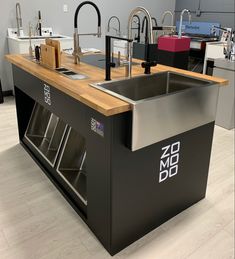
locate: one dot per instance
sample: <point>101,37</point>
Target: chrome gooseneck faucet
<point>181,21</point>
<point>19,20</point>
<point>118,31</point>
<point>150,29</point>
<point>77,49</point>
<point>168,13</point>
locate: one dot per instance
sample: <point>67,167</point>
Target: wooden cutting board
<point>48,56</point>
<point>56,45</point>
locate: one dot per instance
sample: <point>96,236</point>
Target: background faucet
<point>137,38</point>
<point>168,13</point>
<point>109,63</point>
<point>229,50</point>
<point>19,20</point>
<point>118,31</point>
<point>39,24</point>
<point>77,49</point>
<point>181,21</point>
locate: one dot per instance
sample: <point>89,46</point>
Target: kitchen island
<point>80,137</point>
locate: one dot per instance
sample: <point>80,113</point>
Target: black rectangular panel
<point>140,202</point>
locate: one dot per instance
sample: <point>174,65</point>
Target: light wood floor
<point>36,222</point>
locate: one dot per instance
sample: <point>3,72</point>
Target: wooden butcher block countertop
<point>82,91</point>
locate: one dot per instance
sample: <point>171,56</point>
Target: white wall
<point>53,16</point>
<point>212,11</point>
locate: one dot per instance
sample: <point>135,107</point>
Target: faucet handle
<point>147,66</point>
<point>112,64</point>
<point>148,63</point>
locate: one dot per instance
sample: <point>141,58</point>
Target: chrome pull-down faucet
<point>77,49</point>
<point>168,13</point>
<point>129,29</point>
<point>181,21</point>
<point>118,31</point>
<point>19,20</point>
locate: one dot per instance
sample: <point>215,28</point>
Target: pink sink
<point>173,43</point>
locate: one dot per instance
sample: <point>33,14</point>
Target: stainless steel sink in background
<point>41,37</point>
<point>164,104</point>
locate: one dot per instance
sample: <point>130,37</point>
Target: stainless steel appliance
<point>225,109</point>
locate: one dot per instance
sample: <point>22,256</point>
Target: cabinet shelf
<point>71,165</point>
<point>45,132</point>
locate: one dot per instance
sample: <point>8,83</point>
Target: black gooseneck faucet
<point>77,49</point>
<point>155,21</point>
<point>148,64</point>
<point>145,24</point>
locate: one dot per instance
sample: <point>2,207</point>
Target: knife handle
<point>37,53</point>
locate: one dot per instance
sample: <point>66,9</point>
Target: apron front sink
<point>164,104</point>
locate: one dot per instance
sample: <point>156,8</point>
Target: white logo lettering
<point>163,176</point>
<point>164,164</point>
<point>175,148</point>
<point>165,154</point>
<point>47,94</point>
<point>173,171</point>
<point>169,161</point>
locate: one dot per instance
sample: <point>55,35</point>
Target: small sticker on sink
<point>97,127</point>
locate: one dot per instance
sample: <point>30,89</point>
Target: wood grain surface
<point>56,45</point>
<point>48,56</point>
<point>82,91</point>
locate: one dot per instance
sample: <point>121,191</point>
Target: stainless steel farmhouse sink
<point>164,104</point>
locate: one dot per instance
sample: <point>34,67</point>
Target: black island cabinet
<point>120,194</point>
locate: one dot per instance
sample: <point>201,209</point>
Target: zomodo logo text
<point>169,161</point>
<point>47,94</point>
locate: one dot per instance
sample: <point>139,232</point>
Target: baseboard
<point>7,93</point>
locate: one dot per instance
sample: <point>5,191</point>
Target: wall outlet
<point>65,8</point>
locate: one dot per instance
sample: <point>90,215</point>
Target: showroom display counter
<point>122,178</point>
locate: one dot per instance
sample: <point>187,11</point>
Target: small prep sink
<point>164,104</point>
<point>41,37</point>
<point>98,60</point>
